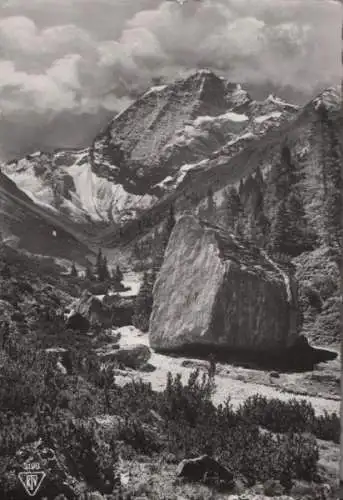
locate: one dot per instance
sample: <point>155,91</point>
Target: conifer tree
<point>333,182</point>
<point>280,230</point>
<point>73,271</point>
<point>89,274</point>
<point>234,208</point>
<point>170,220</point>
<point>98,264</point>
<point>283,174</point>
<point>259,177</point>
<point>104,269</point>
<point>101,267</point>
<point>117,276</point>
<point>161,241</point>
<point>291,233</point>
<point>211,206</point>
<point>144,302</point>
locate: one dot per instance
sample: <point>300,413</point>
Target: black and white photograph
<point>171,249</point>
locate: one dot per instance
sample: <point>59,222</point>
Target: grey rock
<point>204,468</point>
<point>216,291</point>
<point>133,356</point>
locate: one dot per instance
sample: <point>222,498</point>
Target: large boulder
<point>217,292</point>
<point>77,322</point>
<point>92,309</point>
<point>132,356</point>
<point>204,468</point>
<point>122,309</point>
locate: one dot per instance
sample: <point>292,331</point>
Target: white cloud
<point>86,55</point>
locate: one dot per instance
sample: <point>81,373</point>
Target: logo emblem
<point>31,480</point>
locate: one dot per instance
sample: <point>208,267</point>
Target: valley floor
<point>320,387</point>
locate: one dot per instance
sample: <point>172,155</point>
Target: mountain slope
<point>33,229</point>
<point>147,150</point>
<point>288,186</point>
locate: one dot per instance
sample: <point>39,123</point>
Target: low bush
<point>37,401</point>
<point>290,416</point>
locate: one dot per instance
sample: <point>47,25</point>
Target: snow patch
<point>263,118</point>
<point>276,100</point>
<point>156,88</point>
<point>101,198</point>
<point>184,170</point>
<point>235,117</point>
<point>165,181</point>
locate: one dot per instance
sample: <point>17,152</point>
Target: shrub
<point>327,427</point>
<point>278,416</point>
<point>290,417</point>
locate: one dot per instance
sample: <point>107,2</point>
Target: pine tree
<point>98,264</point>
<point>283,175</point>
<point>333,182</point>
<point>241,187</point>
<point>262,228</point>
<point>234,208</point>
<point>101,267</point>
<point>211,206</point>
<point>280,230</point>
<point>105,273</point>
<point>117,276</point>
<point>161,241</point>
<point>259,177</point>
<point>170,221</point>
<point>291,233</point>
<point>89,274</point>
<point>144,302</point>
<point>73,271</point>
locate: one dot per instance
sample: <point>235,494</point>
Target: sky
<point>66,66</point>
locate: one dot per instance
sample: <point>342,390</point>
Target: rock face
<point>214,291</point>
<point>28,225</point>
<point>146,150</point>
<point>132,356</point>
<point>78,323</point>
<point>122,309</point>
<point>204,468</point>
<point>93,310</point>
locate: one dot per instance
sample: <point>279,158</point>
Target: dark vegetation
<point>271,211</point>
<point>38,402</point>
<point>144,300</point>
<point>262,440</point>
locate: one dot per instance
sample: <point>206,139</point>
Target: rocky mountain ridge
<point>147,150</point>
<point>26,225</point>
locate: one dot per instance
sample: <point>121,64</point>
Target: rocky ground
<point>320,386</point>
<point>152,480</point>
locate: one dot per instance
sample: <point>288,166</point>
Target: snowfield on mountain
<point>147,149</point>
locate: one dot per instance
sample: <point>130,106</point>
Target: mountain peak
<point>330,98</point>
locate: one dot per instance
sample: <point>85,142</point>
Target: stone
<point>204,468</point>
<point>78,322</point>
<point>122,309</point>
<point>148,368</point>
<point>133,356</point>
<point>216,292</point>
<point>93,310</point>
<point>273,488</point>
<point>108,352</point>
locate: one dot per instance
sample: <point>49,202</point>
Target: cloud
<point>91,56</point>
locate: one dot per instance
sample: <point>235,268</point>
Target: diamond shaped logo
<point>31,480</point>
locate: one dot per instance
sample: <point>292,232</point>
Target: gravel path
<point>227,384</point>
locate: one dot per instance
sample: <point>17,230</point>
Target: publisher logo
<point>32,478</point>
